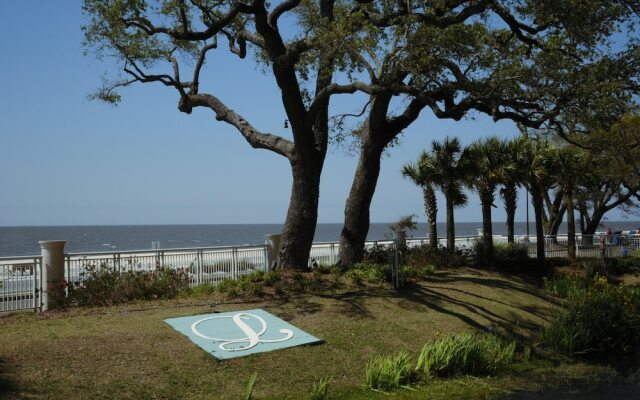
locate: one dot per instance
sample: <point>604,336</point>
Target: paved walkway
<point>614,391</point>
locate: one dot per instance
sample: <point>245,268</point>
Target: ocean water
<point>20,241</point>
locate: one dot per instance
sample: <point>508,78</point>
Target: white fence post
<point>273,248</point>
<point>52,267</point>
<point>199,263</point>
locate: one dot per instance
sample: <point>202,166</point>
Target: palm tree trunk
<point>571,227</point>
<point>451,230</point>
<point>486,198</point>
<point>431,209</point>
<point>510,196</point>
<point>538,204</point>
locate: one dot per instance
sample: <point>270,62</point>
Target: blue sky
<point>66,160</point>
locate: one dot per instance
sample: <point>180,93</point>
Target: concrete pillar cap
<point>51,244</point>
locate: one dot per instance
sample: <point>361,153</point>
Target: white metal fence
<point>21,277</point>
<point>203,265</point>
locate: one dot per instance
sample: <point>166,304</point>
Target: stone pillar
<point>52,267</point>
<point>273,248</point>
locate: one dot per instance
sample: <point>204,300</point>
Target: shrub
<point>368,272</point>
<point>229,287</point>
<point>378,254</point>
<point>438,256</point>
<point>600,318</point>
<point>103,286</point>
<point>465,354</point>
<point>270,278</point>
<point>387,373</point>
<point>253,277</point>
<point>56,294</point>
<point>203,290</point>
<point>623,265</point>
<point>324,268</point>
<point>512,257</point>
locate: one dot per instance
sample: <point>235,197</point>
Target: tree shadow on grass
<point>8,388</point>
<point>496,283</point>
<point>353,304</point>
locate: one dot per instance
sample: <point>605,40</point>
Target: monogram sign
<point>239,333</point>
<point>251,337</point>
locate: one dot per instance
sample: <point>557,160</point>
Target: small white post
<point>273,248</point>
<point>52,267</point>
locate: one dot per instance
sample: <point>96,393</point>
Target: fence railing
<point>203,265</point>
<point>21,277</point>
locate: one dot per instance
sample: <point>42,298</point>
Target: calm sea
<point>18,241</point>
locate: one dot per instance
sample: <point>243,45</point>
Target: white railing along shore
<point>21,277</point>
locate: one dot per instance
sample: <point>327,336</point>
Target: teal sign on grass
<point>240,333</point>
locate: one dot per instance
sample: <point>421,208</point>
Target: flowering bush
<point>57,294</point>
<point>104,286</point>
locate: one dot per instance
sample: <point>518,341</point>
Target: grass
<point>128,352</point>
<point>388,373</point>
<point>465,354</point>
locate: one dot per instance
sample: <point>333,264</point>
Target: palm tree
<point>490,165</point>
<point>511,178</point>
<point>535,156</point>
<point>422,173</point>
<point>452,163</point>
<point>568,162</point>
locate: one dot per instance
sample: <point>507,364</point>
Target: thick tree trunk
<point>451,230</point>
<point>538,204</point>
<point>593,224</point>
<point>431,209</point>
<point>356,211</point>
<point>571,227</point>
<point>555,210</point>
<point>486,198</point>
<point>555,224</point>
<point>510,196</point>
<point>300,224</point>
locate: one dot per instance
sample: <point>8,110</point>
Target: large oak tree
<point>518,60</point>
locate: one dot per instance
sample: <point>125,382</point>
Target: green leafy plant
<point>203,290</point>
<point>565,286</point>
<point>248,392</point>
<point>100,285</point>
<point>405,223</point>
<point>438,256</point>
<point>465,354</point>
<point>229,287</point>
<point>57,294</point>
<point>320,390</point>
<point>388,373</point>
<point>600,318</point>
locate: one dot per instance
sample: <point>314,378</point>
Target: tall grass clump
<point>566,286</point>
<point>320,391</point>
<point>388,373</point>
<point>465,354</point>
<point>599,318</point>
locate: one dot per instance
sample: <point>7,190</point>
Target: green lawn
<point>128,352</point>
